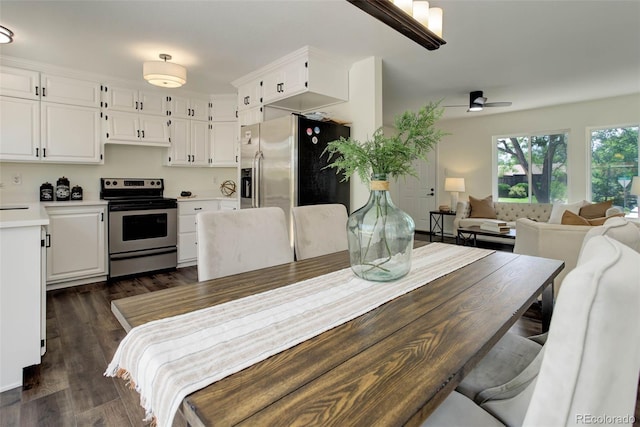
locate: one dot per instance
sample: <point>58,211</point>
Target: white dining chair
<point>514,357</point>
<point>232,242</point>
<point>591,359</point>
<point>319,230</point>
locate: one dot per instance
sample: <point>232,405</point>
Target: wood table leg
<point>547,306</point>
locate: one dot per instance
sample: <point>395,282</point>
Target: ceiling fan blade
<point>455,105</point>
<point>498,104</point>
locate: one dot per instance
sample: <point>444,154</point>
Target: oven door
<point>137,230</point>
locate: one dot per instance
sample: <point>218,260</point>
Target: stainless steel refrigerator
<point>282,164</point>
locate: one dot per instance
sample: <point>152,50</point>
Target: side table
<point>436,223</point>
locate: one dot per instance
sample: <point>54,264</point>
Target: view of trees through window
<point>532,169</point>
<point>614,161</point>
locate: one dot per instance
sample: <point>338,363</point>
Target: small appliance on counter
<point>46,192</point>
<point>63,192</point>
<point>76,193</point>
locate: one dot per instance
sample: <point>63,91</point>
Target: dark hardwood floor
<point>68,388</point>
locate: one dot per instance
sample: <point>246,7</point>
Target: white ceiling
<point>533,53</point>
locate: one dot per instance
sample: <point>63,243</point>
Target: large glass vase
<point>380,236</point>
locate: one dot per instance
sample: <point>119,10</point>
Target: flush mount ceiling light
<point>414,19</point>
<point>6,35</point>
<point>163,73</point>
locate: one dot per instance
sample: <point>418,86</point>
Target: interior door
<point>416,196</point>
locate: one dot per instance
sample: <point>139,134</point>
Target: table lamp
<point>454,186</point>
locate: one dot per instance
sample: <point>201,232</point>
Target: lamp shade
<point>6,35</point>
<point>454,184</point>
<point>635,186</point>
<point>164,74</point>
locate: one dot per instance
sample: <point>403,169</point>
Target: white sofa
<point>555,241</point>
<point>508,212</point>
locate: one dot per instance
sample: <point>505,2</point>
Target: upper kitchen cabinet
<point>19,83</point>
<point>135,129</point>
<point>48,118</point>
<point>189,143</point>
<point>188,108</point>
<point>134,101</point>
<point>224,143</point>
<point>224,108</point>
<point>249,93</point>
<point>301,81</point>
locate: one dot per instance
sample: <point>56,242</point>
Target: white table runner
<point>168,359</point>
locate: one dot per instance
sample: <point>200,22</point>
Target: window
<point>614,161</point>
<point>532,168</point>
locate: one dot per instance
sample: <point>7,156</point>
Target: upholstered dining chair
<point>515,357</point>
<point>591,359</point>
<point>319,230</point>
<point>231,242</point>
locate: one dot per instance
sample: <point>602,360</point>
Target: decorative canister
<point>46,192</point>
<point>62,189</point>
<point>76,193</point>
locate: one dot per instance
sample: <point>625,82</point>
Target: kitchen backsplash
<point>120,161</point>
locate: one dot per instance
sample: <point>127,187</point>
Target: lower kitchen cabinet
<point>76,243</point>
<point>187,237</point>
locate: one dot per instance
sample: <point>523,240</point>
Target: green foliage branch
<point>390,155</point>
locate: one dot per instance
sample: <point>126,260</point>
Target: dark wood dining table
<point>389,367</point>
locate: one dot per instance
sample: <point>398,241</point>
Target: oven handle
<point>143,253</point>
<point>139,207</point>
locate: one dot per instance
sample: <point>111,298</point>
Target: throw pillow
<point>482,208</point>
<point>595,210</point>
<point>559,208</point>
<point>569,218</point>
<point>602,220</point>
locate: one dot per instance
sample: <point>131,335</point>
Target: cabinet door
<point>224,142</point>
<point>121,99</point>
<point>154,130</point>
<point>70,257</point>
<point>187,247</point>
<point>70,91</point>
<point>180,107</point>
<point>19,128</point>
<point>121,126</point>
<point>250,116</point>
<point>224,108</point>
<point>153,103</point>
<point>294,76</point>
<point>180,151</point>
<point>19,83</point>
<point>69,133</point>
<point>250,95</point>
<point>273,86</point>
<point>199,143</point>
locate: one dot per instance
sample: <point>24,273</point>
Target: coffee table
<point>469,235</point>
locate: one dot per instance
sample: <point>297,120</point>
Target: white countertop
<point>205,197</point>
<point>96,202</point>
<point>30,215</point>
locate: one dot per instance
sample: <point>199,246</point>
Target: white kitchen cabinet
<point>224,143</point>
<point>303,80</point>
<point>250,116</point>
<point>188,108</point>
<point>136,129</point>
<point>189,143</point>
<point>116,98</point>
<point>187,228</point>
<point>224,108</point>
<point>21,302</point>
<point>76,243</point>
<point>58,120</point>
<point>64,90</point>
<point>19,129</point>
<point>250,94</point>
<point>229,205</point>
<point>19,83</point>
<point>70,134</point>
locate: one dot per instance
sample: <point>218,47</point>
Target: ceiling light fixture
<point>6,35</point>
<point>163,73</point>
<point>424,30</point>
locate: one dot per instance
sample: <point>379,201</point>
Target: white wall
<point>364,111</point>
<point>468,151</point>
<point>120,161</point>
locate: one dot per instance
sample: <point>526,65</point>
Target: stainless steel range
<point>142,226</point>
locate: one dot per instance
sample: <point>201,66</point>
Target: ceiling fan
<point>477,102</point>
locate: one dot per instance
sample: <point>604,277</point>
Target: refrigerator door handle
<point>259,156</point>
<point>256,173</point>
